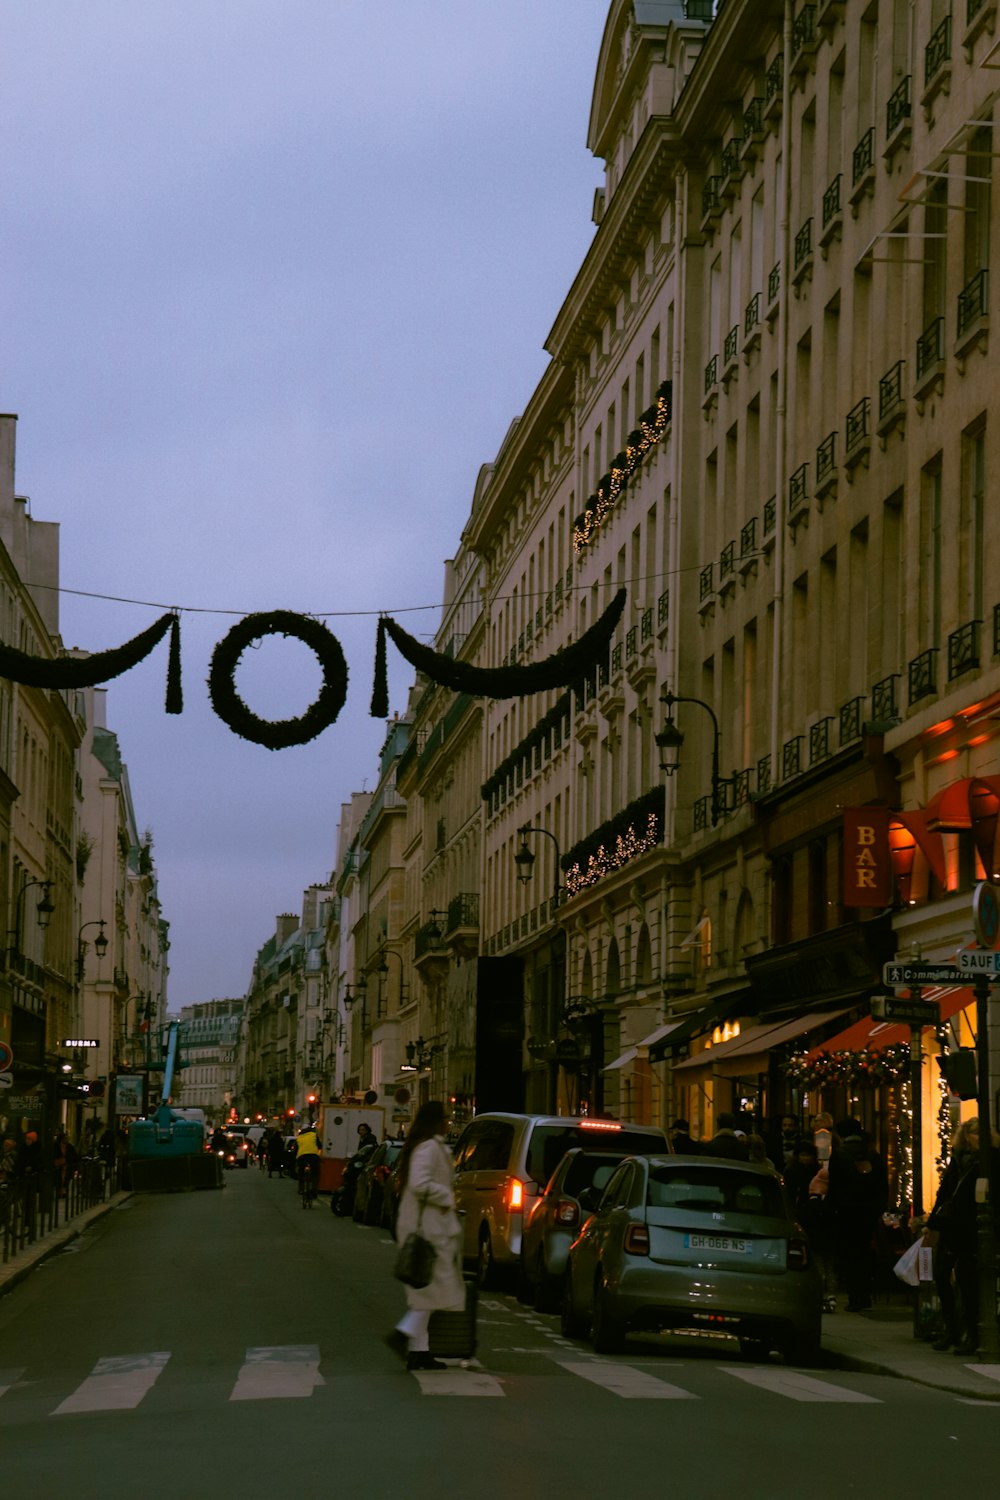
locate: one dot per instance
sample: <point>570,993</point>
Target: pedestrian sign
<point>902,976</point>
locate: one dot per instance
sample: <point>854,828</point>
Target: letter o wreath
<point>277,734</point>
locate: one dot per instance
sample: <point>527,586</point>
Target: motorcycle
<point>342,1201</point>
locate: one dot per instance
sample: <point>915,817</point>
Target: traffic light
<point>310,1098</point>
<point>959,1072</point>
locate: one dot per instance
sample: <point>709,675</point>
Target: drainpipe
<point>679,404</point>
<point>781,432</point>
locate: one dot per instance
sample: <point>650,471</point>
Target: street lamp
<point>359,992</point>
<point>44,909</point>
<point>669,742</point>
<point>100,945</point>
<point>382,969</point>
<point>525,860</point>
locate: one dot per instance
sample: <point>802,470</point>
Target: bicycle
<point>308,1180</point>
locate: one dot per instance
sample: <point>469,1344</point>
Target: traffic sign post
<point>905,976</point>
<point>979,961</point>
<point>910,1012</point>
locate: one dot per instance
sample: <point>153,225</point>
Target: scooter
<point>342,1201</point>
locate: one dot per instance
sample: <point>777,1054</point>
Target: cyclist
<point>307,1154</point>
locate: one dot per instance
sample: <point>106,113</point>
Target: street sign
<point>901,976</point>
<point>909,1012</point>
<point>79,1041</point>
<point>6,1080</point>
<point>6,1056</point>
<point>986,914</point>
<point>979,961</point>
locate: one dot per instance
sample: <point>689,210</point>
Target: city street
<point>229,1342</point>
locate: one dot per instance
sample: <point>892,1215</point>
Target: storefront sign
<point>78,1041</point>
<point>128,1094</point>
<point>867,872</point>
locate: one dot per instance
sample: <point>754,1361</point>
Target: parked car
<point>571,1193</point>
<point>683,1242</point>
<point>502,1162</point>
<point>236,1151</point>
<point>370,1188</point>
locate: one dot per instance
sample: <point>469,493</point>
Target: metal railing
<point>706,586</point>
<point>804,243</point>
<point>774,79</point>
<point>938,49</point>
<point>858,425</point>
<point>774,282</point>
<point>826,459</point>
<point>727,560</point>
<point>863,157</point>
<point>850,720</point>
<point>963,648</point>
<point>731,348</point>
<point>38,1203</point>
<point>753,117</point>
<point>748,537</point>
<point>770,515</point>
<point>920,676</point>
<point>930,347</point>
<point>804,29</point>
<point>831,201</point>
<point>890,390</point>
<point>884,706</point>
<point>791,757</point>
<point>898,107</point>
<point>751,315</point>
<point>711,374</point>
<point>972,301</point>
<point>710,200</point>
<point>798,488</point>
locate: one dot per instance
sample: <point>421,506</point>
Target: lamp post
<point>669,742</point>
<point>525,860</point>
<point>359,992</point>
<point>382,969</point>
<point>100,946</point>
<point>44,909</point>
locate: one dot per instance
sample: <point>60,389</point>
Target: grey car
<point>695,1243</point>
<point>572,1192</point>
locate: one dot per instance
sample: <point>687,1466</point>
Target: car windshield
<point>715,1189</point>
<point>549,1144</point>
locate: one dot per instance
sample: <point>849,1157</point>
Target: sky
<point>275,278</point>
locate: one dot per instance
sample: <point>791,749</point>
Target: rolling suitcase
<point>452,1335</point>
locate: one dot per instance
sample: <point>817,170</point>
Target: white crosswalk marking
<point>992,1372</point>
<point>453,1382</point>
<point>9,1378</point>
<point>116,1384</point>
<point>285,1370</point>
<point>799,1387</point>
<point>628,1382</point>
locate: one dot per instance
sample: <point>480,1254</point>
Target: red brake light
<point>600,1125</point>
<point>567,1211</point>
<point>637,1239</point>
<point>515,1195</point>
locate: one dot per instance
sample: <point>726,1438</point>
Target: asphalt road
<point>212,1344</point>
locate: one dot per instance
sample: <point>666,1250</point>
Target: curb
<point>12,1274</point>
<point>863,1366</point>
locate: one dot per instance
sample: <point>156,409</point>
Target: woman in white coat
<point>427,1204</point>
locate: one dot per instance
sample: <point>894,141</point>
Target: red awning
<point>878,1034</point>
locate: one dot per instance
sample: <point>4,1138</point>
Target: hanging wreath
<point>277,734</point>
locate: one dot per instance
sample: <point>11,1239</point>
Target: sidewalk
<point>20,1265</point>
<point>881,1342</point>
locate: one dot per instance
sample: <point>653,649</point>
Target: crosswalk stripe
<point>992,1372</point>
<point>627,1381</point>
<point>284,1370</point>
<point>799,1387</point>
<point>458,1383</point>
<point>117,1383</point>
<point>8,1379</point>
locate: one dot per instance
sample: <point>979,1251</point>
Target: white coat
<point>429,1181</point>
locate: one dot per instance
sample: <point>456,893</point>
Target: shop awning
<point>749,1053</point>
<point>878,1034</point>
<point>685,1027</point>
<point>631,1053</point>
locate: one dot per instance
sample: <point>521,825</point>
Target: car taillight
<point>515,1195</point>
<point>637,1239</point>
<point>798,1255</point>
<point>567,1211</point>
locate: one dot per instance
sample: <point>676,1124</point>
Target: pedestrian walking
<point>953,1231</point>
<point>682,1141</point>
<point>427,1206</point>
<point>857,1196</point>
<point>727,1140</point>
<point>275,1154</point>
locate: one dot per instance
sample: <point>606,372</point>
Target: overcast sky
<point>276,279</point>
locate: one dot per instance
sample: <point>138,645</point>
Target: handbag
<point>415,1258</point>
<point>907,1267</point>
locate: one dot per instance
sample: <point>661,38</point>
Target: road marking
<point>9,1379</point>
<point>284,1370</point>
<point>628,1382</point>
<point>992,1372</point>
<point>799,1387</point>
<point>117,1383</point>
<point>458,1383</point>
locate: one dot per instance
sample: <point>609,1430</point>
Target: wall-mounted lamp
<point>524,858</point>
<point>669,742</point>
<point>100,945</point>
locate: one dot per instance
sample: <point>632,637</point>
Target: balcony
<point>833,214</point>
<point>885,709</point>
<point>462,924</point>
<point>972,323</point>
<point>731,354</point>
<point>770,519</point>
<point>980,15</point>
<point>937,62</point>
<point>774,84</point>
<point>798,494</point>
<point>748,546</point>
<point>711,203</point>
<point>754,127</point>
<point>773,290</point>
<point>663,610</point>
<point>805,40</point>
<point>863,169</point>
<point>706,587</point>
<point>711,382</point>
<point>731,166</point>
<point>857,433</point>
<point>930,358</point>
<point>803,258</point>
<point>763,775</point>
<point>826,467</point>
<point>820,748</point>
<point>898,116</point>
<point>921,677</point>
<point>430,952</point>
<point>727,568</point>
<point>963,649</point>
<point>751,323</point>
<point>791,757</point>
<point>850,717</point>
<point>891,399</point>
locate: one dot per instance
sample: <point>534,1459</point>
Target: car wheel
<point>485,1268</point>
<point>607,1333</point>
<point>755,1349</point>
<point>572,1324</point>
<point>801,1350</point>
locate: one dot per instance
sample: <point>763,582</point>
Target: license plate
<point>719,1242</point>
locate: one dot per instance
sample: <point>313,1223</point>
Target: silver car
<point>684,1242</point>
<point>572,1192</point>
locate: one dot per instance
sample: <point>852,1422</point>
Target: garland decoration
<point>86,671</point>
<point>558,670</point>
<point>277,734</point>
<point>866,1065</point>
<point>653,425</point>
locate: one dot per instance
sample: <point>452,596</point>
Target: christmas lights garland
<point>653,425</point>
<point>867,1065</point>
<point>277,734</point>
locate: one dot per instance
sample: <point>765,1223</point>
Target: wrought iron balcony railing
<point>804,243</point>
<point>858,425</point>
<point>831,201</point>
<point>774,79</point>
<point>963,648</point>
<point>826,459</point>
<point>774,283</point>
<point>850,717</point>
<point>706,585</point>
<point>863,157</point>
<point>920,676</point>
<point>938,49</point>
<point>972,301</point>
<point>898,107</point>
<point>751,315</point>
<point>731,348</point>
<point>884,706</point>
<point>890,390</point>
<point>748,538</point>
<point>798,488</point>
<point>930,347</point>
